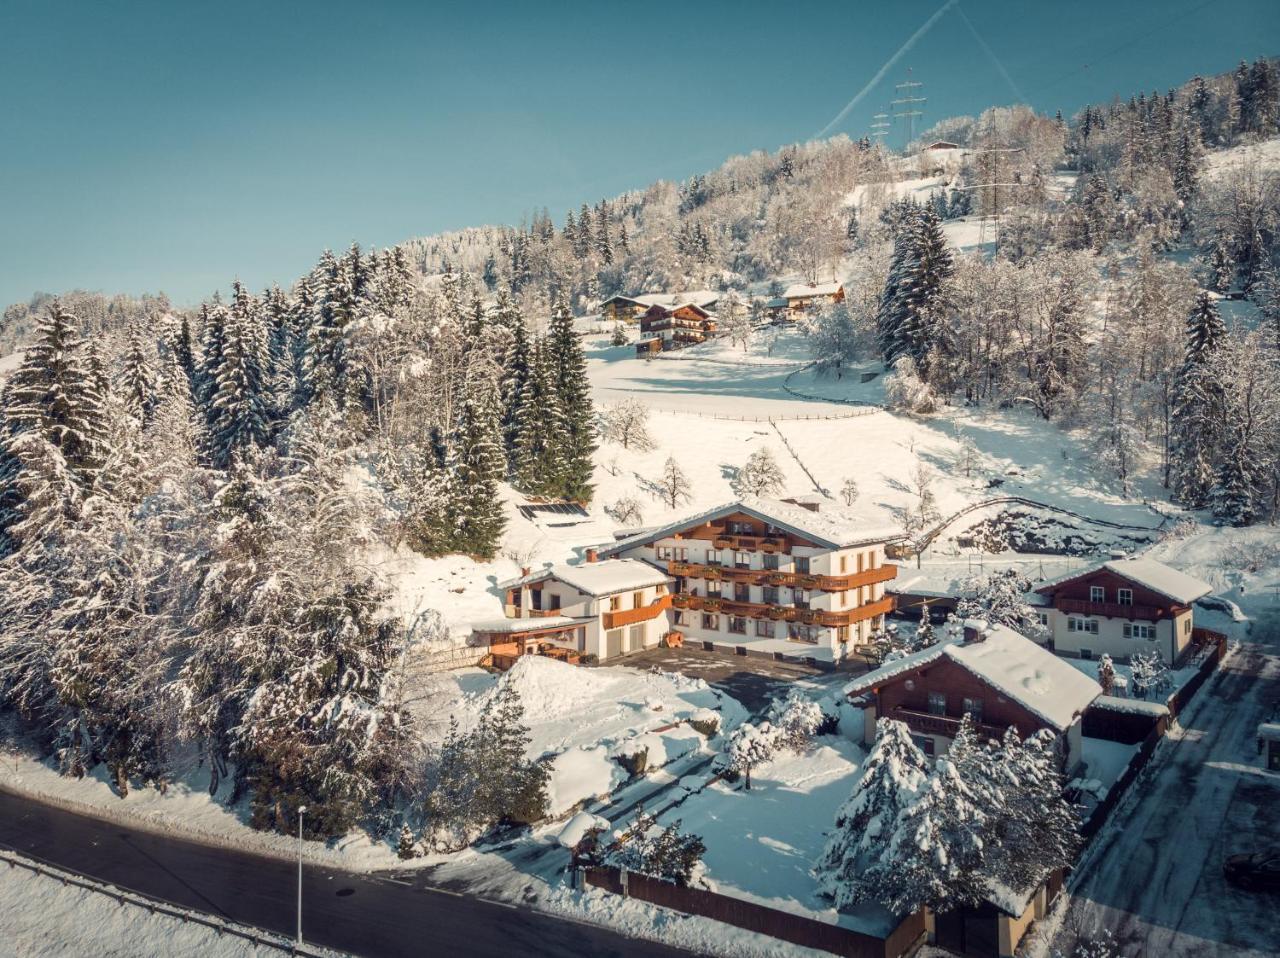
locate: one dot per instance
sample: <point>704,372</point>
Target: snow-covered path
<point>1154,875</point>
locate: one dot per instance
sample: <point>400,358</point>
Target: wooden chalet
<point>1120,607</point>
<point>676,326</point>
<point>804,296</point>
<point>998,677</point>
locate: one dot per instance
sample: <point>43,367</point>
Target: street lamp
<point>301,811</point>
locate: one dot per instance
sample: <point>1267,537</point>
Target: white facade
<point>1092,636</point>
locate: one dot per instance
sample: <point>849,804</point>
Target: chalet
<point>1120,607</point>
<point>621,307</point>
<point>943,145</point>
<point>805,296</point>
<point>671,327</point>
<point>770,577</point>
<point>601,609</point>
<point>995,675</point>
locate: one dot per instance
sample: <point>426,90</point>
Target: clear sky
<point>173,146</point>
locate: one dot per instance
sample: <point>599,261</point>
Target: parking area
<point>752,681</point>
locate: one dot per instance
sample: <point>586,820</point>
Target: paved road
<point>363,915</point>
<point>1157,881</point>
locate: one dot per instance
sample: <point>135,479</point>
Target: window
<point>737,625</point>
<point>1124,596</point>
<point>741,592</point>
<point>771,595</point>
<point>771,561</point>
<point>615,603</point>
<point>924,743</point>
<point>553,602</point>
<point>938,703</point>
<point>764,628</point>
<point>842,633</point>
<point>1186,626</point>
<point>861,561</point>
<point>713,589</point>
<point>1140,630</point>
<point>710,622</point>
<point>1097,593</point>
<point>742,560</point>
<point>973,707</point>
<point>682,553</point>
<point>1082,625</point>
<point>713,557</point>
<point>682,617</point>
<point>1043,617</point>
<point>803,633</point>
<point>844,564</point>
<point>802,565</point>
<point>800,598</point>
<point>1086,653</point>
<point>663,552</point>
<point>637,600</point>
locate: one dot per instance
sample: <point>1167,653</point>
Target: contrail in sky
<point>992,57</point>
<point>911,42</point>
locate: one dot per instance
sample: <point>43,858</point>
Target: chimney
<point>592,555</point>
<point>972,635</point>
<point>525,571</point>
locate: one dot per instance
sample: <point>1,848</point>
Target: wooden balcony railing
<point>616,620</point>
<point>926,723</point>
<point>783,613</point>
<point>794,580</point>
<point>1113,610</point>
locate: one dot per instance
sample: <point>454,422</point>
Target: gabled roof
<point>833,530</point>
<point>516,626</point>
<point>682,305</point>
<point>698,297</point>
<point>803,290</point>
<point>596,578</point>
<point>1148,573</point>
<point>1013,665</point>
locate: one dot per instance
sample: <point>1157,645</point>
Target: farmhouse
<point>621,307</point>
<point>771,577</point>
<point>804,296</point>
<point>601,609</point>
<point>1120,607</point>
<point>671,327</point>
<point>995,675</point>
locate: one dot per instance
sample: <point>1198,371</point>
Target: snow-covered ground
<point>41,914</point>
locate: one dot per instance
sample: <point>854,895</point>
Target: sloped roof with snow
<point>1013,665</point>
<point>696,297</point>
<point>1156,576</point>
<point>835,529</point>
<point>516,626</point>
<point>597,578</point>
<point>802,290</point>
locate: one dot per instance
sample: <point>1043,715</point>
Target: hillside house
<point>672,327</point>
<point>1120,607</point>
<point>805,296</point>
<point>605,609</point>
<point>771,577</point>
<point>994,674</point>
<point>630,308</point>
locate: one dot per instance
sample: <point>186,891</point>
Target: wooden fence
<point>783,925</point>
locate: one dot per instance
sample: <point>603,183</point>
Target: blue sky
<point>175,146</point>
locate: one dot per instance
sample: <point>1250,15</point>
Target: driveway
<point>1154,875</point>
<point>751,681</point>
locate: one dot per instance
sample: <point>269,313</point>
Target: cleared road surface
<point>361,914</point>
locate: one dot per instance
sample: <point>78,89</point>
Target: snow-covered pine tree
<point>239,403</point>
<point>478,466</point>
<point>924,629</point>
<point>1198,407</point>
<point>760,475</point>
<point>568,366</point>
<point>916,302</point>
<point>539,429</point>
<point>1000,598</point>
<point>137,378</point>
<point>891,777</point>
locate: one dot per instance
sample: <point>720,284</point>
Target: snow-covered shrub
<point>706,722</point>
<point>1150,675</point>
<point>658,852</point>
<point>795,720</point>
<point>1106,674</point>
<point>634,760</point>
<point>749,746</point>
<point>849,491</point>
<point>905,391</point>
<point>1001,599</point>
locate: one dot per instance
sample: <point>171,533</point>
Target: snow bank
<point>577,827</point>
<point>580,774</point>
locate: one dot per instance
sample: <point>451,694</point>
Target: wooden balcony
<point>616,620</point>
<point>794,580</point>
<point>1114,610</point>
<point>783,613</point>
<point>926,723</point>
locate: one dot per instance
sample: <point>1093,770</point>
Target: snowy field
<point>40,915</point>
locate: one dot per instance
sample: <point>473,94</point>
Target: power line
<point>910,105</point>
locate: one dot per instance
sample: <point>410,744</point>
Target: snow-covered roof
<point>803,290</point>
<point>1039,681</point>
<point>1156,576</point>
<point>1269,731</point>
<point>835,529</point>
<point>516,626</point>
<point>1114,703</point>
<point>697,297</point>
<point>597,578</point>
<point>775,303</point>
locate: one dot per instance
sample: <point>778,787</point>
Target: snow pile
<point>549,689</point>
<point>580,774</point>
<point>662,747</point>
<point>575,830</point>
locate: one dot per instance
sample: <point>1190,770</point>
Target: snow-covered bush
<point>663,853</point>
<point>1106,674</point>
<point>1150,675</point>
<point>1001,599</point>
<point>795,720</point>
<point>905,391</point>
<point>749,746</point>
<point>706,722</point>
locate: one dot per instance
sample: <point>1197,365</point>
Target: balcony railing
<point>926,723</point>
<point>1112,610</point>
<point>616,620</point>
<point>783,613</point>
<point>794,580</point>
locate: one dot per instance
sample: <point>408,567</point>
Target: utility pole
<point>880,128</point>
<point>909,104</point>
<point>302,809</point>
<point>992,171</point>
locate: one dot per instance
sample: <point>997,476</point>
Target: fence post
<point>622,877</point>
